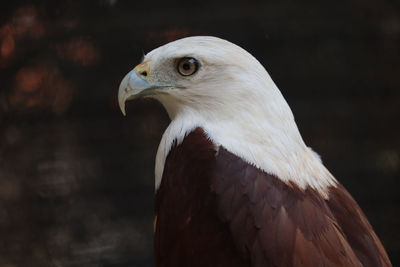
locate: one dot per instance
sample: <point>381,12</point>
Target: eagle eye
<point>187,66</point>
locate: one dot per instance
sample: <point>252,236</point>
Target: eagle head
<point>203,74</point>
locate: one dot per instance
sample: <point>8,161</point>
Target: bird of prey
<point>235,183</point>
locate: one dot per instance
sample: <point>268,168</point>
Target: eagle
<point>235,184</point>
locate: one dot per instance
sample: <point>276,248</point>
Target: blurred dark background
<point>76,177</point>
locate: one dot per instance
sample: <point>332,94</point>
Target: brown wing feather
<point>214,209</point>
<point>290,227</point>
<point>358,231</point>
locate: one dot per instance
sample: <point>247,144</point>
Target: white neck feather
<point>276,150</point>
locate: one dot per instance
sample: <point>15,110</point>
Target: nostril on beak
<point>143,73</point>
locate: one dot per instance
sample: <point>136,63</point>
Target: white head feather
<point>233,98</point>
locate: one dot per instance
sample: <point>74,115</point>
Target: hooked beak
<point>134,86</point>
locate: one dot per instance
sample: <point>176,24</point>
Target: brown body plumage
<point>214,209</point>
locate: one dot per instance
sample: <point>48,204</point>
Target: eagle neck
<point>278,152</point>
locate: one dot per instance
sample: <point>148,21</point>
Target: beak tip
<point>122,92</point>
<point>122,107</point>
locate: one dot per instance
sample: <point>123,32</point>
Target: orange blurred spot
<point>7,41</point>
<point>7,45</point>
<point>24,22</point>
<point>30,79</point>
<point>41,87</point>
<point>78,51</point>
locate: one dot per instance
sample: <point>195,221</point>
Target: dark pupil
<point>186,66</point>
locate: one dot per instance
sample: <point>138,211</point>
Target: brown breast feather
<point>214,209</point>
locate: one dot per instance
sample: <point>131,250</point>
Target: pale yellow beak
<point>135,84</point>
